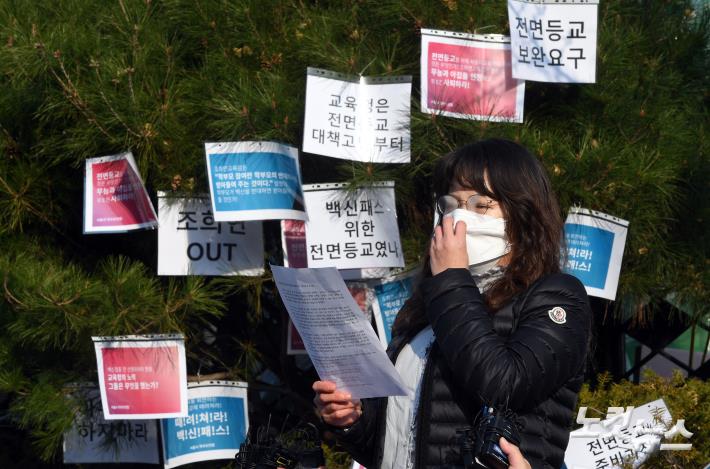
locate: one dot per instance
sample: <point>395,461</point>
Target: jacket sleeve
<point>359,440</point>
<point>528,366</point>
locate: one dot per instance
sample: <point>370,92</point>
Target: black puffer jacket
<point>520,354</point>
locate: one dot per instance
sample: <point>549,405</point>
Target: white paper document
<point>341,343</point>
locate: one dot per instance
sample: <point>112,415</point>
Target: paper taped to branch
<point>554,41</point>
<point>191,242</point>
<point>115,199</point>
<point>142,376</point>
<point>595,248</point>
<point>216,424</point>
<point>340,341</point>
<point>295,251</point>
<point>254,181</point>
<point>91,439</point>
<point>350,230</point>
<point>357,118</point>
<point>625,437</point>
<point>390,295</point>
<point>469,76</point>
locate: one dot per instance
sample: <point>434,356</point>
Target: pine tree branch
<point>9,296</point>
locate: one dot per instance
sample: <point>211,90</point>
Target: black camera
<point>295,449</point>
<point>479,444</point>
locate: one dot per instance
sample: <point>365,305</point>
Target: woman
<point>492,323</point>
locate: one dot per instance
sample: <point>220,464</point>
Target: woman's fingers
<point>447,225</point>
<point>331,408</point>
<point>336,396</point>
<point>515,457</point>
<point>450,233</point>
<point>324,386</point>
<point>460,229</point>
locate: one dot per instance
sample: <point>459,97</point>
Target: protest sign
<point>216,424</point>
<point>595,246</point>
<point>625,436</point>
<point>469,76</point>
<point>254,181</point>
<point>293,241</point>
<point>350,230</point>
<point>142,376</point>
<point>115,199</point>
<point>340,341</point>
<point>390,295</point>
<point>363,296</point>
<point>554,41</point>
<point>357,118</point>
<point>92,439</point>
<point>191,242</point>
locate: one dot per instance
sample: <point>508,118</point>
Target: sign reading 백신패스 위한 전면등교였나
<point>595,247</point>
<point>254,181</point>
<point>191,242</point>
<point>553,41</point>
<point>216,425</point>
<point>357,118</point>
<point>469,76</point>
<point>142,376</point>
<point>352,230</point>
<point>115,199</point>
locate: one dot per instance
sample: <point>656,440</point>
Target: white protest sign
<point>554,41</point>
<point>293,242</point>
<point>142,376</point>
<point>92,439</point>
<point>625,437</point>
<point>339,339</point>
<point>595,247</point>
<point>115,199</point>
<point>254,181</point>
<point>216,425</point>
<point>352,230</point>
<point>357,118</point>
<point>191,242</point>
<point>469,76</point>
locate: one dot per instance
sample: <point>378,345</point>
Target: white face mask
<point>485,236</point>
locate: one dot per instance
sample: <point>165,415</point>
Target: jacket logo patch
<point>558,315</point>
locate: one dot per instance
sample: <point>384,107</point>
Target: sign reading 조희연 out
<point>191,242</point>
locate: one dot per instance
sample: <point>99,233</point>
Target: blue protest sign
<point>595,245</point>
<point>390,296</point>
<point>217,423</point>
<point>254,181</point>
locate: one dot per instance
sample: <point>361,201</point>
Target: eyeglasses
<point>476,203</point>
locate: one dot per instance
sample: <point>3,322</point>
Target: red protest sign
<point>470,76</point>
<point>142,376</point>
<point>114,196</point>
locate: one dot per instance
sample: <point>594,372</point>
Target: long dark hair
<point>534,226</point>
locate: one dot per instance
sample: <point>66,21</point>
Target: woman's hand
<point>515,457</point>
<point>448,247</point>
<point>335,407</point>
